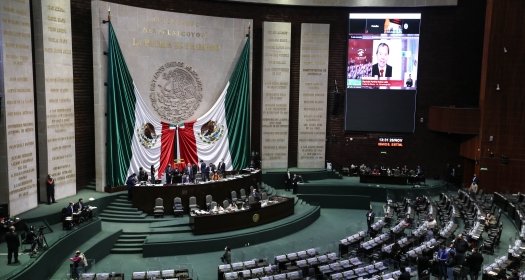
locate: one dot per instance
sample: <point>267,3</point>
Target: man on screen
<point>409,82</point>
<point>381,69</point>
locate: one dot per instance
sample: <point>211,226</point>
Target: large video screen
<point>381,73</point>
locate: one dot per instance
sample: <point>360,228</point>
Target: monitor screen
<point>382,63</point>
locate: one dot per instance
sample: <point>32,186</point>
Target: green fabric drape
<point>237,107</point>
<point>120,114</point>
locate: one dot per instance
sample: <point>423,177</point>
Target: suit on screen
<point>375,71</point>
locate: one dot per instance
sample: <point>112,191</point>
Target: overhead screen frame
<point>382,104</point>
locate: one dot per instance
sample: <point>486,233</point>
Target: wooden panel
<point>213,223</point>
<point>144,196</point>
<point>502,102</point>
<point>454,120</point>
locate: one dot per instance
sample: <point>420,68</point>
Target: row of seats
<point>178,208</point>
<point>238,266</point>
<point>102,276</point>
<point>167,274</point>
<point>347,267</point>
<point>250,273</point>
<point>351,274</point>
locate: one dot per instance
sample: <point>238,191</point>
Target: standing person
<point>405,275</point>
<point>187,173</point>
<point>288,180</point>
<point>169,174</point>
<point>204,171</point>
<point>79,264</point>
<point>143,175</point>
<point>294,183</point>
<point>130,183</point>
<point>194,170</point>
<point>152,171</point>
<point>227,256</point>
<point>442,257</point>
<point>461,246</point>
<point>222,168</point>
<point>473,262</point>
<point>13,242</point>
<point>50,188</point>
<point>370,217</point>
<point>381,68</point>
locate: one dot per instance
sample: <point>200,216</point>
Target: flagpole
<point>109,16</point>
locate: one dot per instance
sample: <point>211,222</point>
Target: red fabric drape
<point>187,144</point>
<point>166,149</point>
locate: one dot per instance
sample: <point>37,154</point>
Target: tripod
<point>40,242</point>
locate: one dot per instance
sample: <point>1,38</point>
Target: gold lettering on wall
<point>276,94</point>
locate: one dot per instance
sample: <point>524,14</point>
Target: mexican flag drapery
<point>136,137</point>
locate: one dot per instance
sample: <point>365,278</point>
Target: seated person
<point>431,223</point>
<point>490,220</point>
<point>215,176</point>
<point>79,206</point>
<point>256,195</point>
<point>473,189</point>
<point>143,175</point>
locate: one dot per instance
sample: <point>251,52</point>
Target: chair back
<point>209,198</point>
<point>213,204</point>
<point>177,200</point>
<point>264,196</point>
<point>225,204</point>
<point>159,202</point>
<point>243,194</point>
<point>234,196</point>
<point>193,201</point>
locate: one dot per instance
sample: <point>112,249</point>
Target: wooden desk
<point>393,180</point>
<point>212,223</point>
<point>144,196</point>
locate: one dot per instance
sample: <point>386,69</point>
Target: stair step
<point>133,236</point>
<point>131,220</point>
<point>127,245</point>
<point>122,212</point>
<point>126,251</point>
<point>121,199</point>
<point>121,208</point>
<point>112,215</point>
<point>131,241</point>
<point>122,204</point>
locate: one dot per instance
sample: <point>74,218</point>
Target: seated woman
<point>215,176</point>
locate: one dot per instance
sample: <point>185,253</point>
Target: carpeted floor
<point>324,234</point>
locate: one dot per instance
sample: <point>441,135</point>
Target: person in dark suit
<point>295,180</point>
<point>222,168</point>
<point>405,275</point>
<point>50,188</point>
<point>70,209</point>
<point>370,217</point>
<point>474,262</point>
<point>194,170</point>
<point>143,175</point>
<point>381,68</point>
<point>152,171</point>
<point>288,180</point>
<point>169,173</point>
<point>130,184</point>
<point>13,242</point>
<point>204,171</point>
<point>79,206</point>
